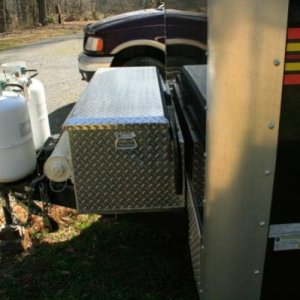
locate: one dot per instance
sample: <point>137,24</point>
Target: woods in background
<point>29,13</point>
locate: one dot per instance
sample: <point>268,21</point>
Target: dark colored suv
<point>139,39</point>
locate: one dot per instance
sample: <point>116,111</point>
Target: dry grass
<point>27,36</point>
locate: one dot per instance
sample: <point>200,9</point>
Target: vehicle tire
<point>143,61</point>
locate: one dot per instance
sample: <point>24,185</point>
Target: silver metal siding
<point>246,40</point>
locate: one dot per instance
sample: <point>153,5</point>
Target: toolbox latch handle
<point>125,141</point>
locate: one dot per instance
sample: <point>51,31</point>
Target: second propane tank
<point>17,153</point>
<point>38,113</point>
<point>33,90</point>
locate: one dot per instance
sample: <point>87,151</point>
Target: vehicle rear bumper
<point>93,63</point>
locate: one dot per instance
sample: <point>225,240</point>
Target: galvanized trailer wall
<point>245,72</point>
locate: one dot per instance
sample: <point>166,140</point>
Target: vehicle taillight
<point>94,44</point>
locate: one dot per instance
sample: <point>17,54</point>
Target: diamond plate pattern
<point>120,96</point>
<point>198,172</point>
<point>195,239</point>
<point>107,179</point>
<point>111,180</point>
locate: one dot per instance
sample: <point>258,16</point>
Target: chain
<point>44,198</point>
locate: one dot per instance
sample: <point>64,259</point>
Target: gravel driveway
<point>56,61</point>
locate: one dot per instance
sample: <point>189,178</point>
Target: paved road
<point>56,61</point>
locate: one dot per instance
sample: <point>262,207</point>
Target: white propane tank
<point>17,153</point>
<point>38,113</point>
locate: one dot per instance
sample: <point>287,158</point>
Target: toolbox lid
<point>131,95</point>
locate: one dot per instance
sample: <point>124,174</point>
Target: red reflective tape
<point>293,34</point>
<point>290,79</point>
<point>292,57</point>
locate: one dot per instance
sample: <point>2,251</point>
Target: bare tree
<point>42,7</point>
<point>66,6</point>
<point>3,23</point>
<point>80,7</point>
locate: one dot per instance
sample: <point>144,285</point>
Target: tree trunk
<point>93,9</point>
<point>80,7</point>
<point>42,12</point>
<point>66,7</point>
<point>58,12</point>
<point>24,8</point>
<point>3,25</point>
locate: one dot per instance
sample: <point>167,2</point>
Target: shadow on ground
<point>133,257</point>
<point>142,257</point>
<point>57,118</point>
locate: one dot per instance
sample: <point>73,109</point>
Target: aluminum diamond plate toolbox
<point>121,146</point>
